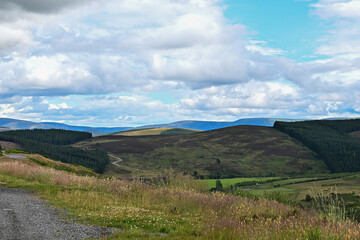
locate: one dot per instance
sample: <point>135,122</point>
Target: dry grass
<point>176,207</point>
<point>143,132</point>
<point>9,145</point>
<point>77,169</point>
<point>42,174</point>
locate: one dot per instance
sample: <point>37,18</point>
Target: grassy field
<point>176,208</point>
<point>294,190</point>
<point>142,132</point>
<point>13,150</point>
<point>231,181</point>
<point>154,131</point>
<point>241,151</point>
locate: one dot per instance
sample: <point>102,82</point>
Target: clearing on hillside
<point>155,131</point>
<point>240,151</point>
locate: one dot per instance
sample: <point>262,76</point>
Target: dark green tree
<point>219,186</point>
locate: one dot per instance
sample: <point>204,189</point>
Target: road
<point>118,160</point>
<point>24,217</point>
<point>14,156</point>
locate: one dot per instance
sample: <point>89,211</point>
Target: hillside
<point>230,152</point>
<point>333,140</point>
<point>54,143</point>
<point>211,125</point>
<point>154,131</point>
<point>14,124</point>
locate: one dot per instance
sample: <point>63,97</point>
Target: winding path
<point>118,160</point>
<point>24,217</point>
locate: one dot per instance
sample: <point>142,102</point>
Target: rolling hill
<point>211,125</point>
<point>229,152</point>
<point>14,124</point>
<point>155,131</point>
<point>333,140</point>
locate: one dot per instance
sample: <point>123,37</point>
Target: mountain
<point>93,130</point>
<point>212,125</point>
<point>13,124</point>
<point>21,124</point>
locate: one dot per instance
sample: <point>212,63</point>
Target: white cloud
<point>121,45</point>
<point>41,6</point>
<point>58,106</point>
<point>338,8</point>
<point>344,34</point>
<point>185,48</point>
<point>249,99</point>
<point>14,38</point>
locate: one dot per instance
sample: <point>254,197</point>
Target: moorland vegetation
<point>241,151</point>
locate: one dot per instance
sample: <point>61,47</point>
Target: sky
<point>135,62</point>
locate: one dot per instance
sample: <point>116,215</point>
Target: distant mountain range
<point>12,124</point>
<point>211,125</point>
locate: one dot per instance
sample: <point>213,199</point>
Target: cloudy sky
<point>134,62</point>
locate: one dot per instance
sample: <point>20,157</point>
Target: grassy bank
<point>176,208</point>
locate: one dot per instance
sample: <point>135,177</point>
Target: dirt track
<point>24,217</point>
<point>118,160</point>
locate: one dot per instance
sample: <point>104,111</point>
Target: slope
<point>155,131</point>
<point>230,152</point>
<point>176,208</point>
<point>211,125</point>
<point>331,139</point>
<point>14,124</point>
<point>54,143</point>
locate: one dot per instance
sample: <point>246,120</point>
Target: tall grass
<point>178,181</point>
<point>330,204</point>
<point>174,208</point>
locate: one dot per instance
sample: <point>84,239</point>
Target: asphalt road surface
<point>25,217</point>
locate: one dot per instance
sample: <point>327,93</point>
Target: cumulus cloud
<point>41,6</point>
<point>120,45</point>
<point>186,48</point>
<point>338,8</point>
<point>249,99</point>
<point>252,99</point>
<point>92,110</point>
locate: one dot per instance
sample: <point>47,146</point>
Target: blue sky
<point>284,24</point>
<point>135,62</point>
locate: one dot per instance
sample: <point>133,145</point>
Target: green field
<point>241,151</point>
<point>294,190</point>
<point>231,181</point>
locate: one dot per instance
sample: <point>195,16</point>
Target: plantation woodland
<point>332,140</point>
<point>53,144</point>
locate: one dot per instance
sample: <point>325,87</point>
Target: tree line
<point>330,139</point>
<point>50,136</point>
<point>52,143</point>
